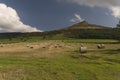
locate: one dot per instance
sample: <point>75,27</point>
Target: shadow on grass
<point>95,57</point>
<point>112,60</point>
<point>113,52</point>
<point>109,51</point>
<point>80,56</point>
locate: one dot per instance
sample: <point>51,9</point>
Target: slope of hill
<point>86,25</point>
<point>82,30</point>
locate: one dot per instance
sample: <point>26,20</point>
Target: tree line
<point>70,33</point>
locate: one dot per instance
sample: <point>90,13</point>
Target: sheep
<point>1,46</point>
<point>55,46</point>
<point>100,46</point>
<point>31,47</point>
<point>27,46</point>
<point>43,47</point>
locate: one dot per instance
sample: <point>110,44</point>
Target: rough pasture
<point>59,60</point>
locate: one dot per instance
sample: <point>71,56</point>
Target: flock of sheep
<point>82,49</point>
<point>46,45</point>
<point>58,45</point>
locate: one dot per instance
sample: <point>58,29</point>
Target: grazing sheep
<point>103,45</point>
<point>83,50</point>
<point>1,46</point>
<point>55,46</point>
<point>27,46</point>
<point>31,47</point>
<point>43,47</point>
<point>100,46</point>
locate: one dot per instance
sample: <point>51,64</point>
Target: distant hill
<point>86,25</point>
<point>82,30</point>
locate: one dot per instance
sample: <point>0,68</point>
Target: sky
<point>45,15</point>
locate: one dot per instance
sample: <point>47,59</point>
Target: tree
<point>118,25</point>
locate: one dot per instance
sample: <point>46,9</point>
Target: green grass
<point>57,37</point>
<point>91,41</point>
<point>71,65</point>
<point>68,66</point>
<point>18,40</point>
<point>31,39</point>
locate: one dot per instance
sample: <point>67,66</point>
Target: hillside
<point>86,25</point>
<point>82,30</point>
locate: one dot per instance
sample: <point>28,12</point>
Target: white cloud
<point>113,5</point>
<point>10,21</point>
<point>116,11</point>
<point>77,18</point>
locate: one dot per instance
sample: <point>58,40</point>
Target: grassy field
<point>91,41</point>
<point>57,60</point>
<point>67,40</point>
